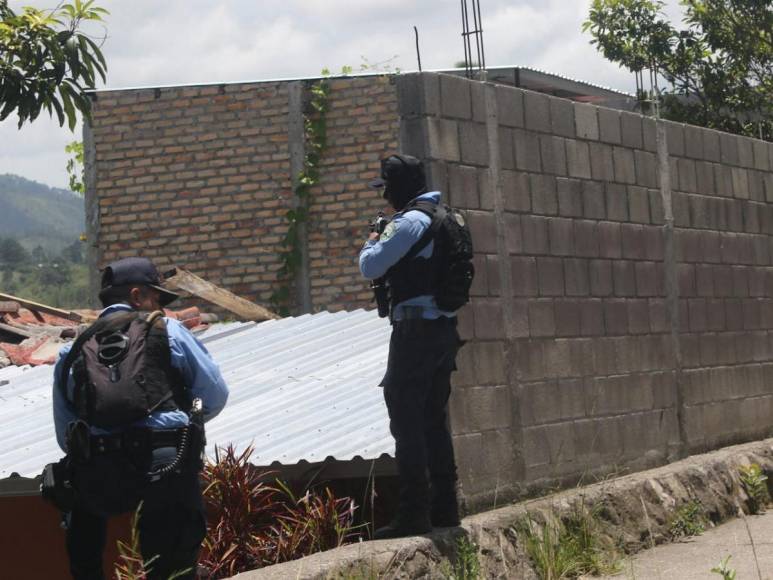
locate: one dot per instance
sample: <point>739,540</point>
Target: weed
<point>687,521</point>
<point>724,570</point>
<point>466,564</point>
<point>754,482</point>
<point>569,547</point>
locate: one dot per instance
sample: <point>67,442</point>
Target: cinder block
<point>488,319</point>
<point>757,281</point>
<point>473,138</point>
<point>624,278</point>
<point>704,277</point>
<point>479,106</point>
<point>681,208</point>
<point>639,204</point>
<point>625,171</point>
<point>553,154</point>
<point>654,244</point>
<point>524,272</point>
<point>600,277</point>
<point>558,358</point>
<point>740,282</point>
<point>586,121</point>
<point>569,197</point>
<point>506,151</point>
<point>535,234</point>
<point>688,180</point>
<point>544,198</point>
<point>656,207</point>
<point>675,138</point>
<point>752,217</point>
<point>610,241</point>
<point>734,210</point>
<point>761,155</point>
<point>483,230</point>
<point>536,449</point>
<point>509,106</point>
<point>527,150</point>
<point>576,277</point>
<point>542,322</point>
<point>728,146</point>
<point>567,314</point>
<point>711,149</point>
<point>530,360</point>
<point>745,153</point>
<point>463,186</point>
<point>632,130</point>
<point>756,185</point>
<point>550,275</point>
<point>466,322</point>
<point>685,275</point>
<point>705,178</point>
<point>490,277</point>
<point>519,310</point>
<point>455,100</point>
<point>593,200</point>
<point>609,126</point>
<point>649,134</point>
<point>657,314</point>
<point>697,314</point>
<point>480,285</point>
<point>723,281</point>
<point>761,250</point>
<point>617,202</point>
<point>740,182</point>
<point>602,165</point>
<point>699,211</point>
<point>515,187</point>
<point>418,95</point>
<point>615,316</point>
<point>734,314</point>
<point>562,117</point>
<point>723,179</point>
<point>539,403</point>
<point>693,142</point>
<point>715,315</point>
<point>513,234</point>
<point>586,238</point>
<point>638,316</point>
<point>536,111</point>
<point>578,159</point>
<point>633,241</point>
<point>752,314</point>
<point>646,279</point>
<point>561,236</point>
<point>646,169</point>
<point>443,139</point>
<point>591,318</point>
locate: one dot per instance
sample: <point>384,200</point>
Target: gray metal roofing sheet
<point>302,389</point>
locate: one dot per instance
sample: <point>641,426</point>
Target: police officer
<point>120,461</point>
<point>422,353</point>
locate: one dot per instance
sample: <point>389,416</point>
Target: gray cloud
<point>190,41</point>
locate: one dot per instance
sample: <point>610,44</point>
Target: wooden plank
<point>20,332</point>
<point>35,306</point>
<point>184,280</point>
<point>9,306</point>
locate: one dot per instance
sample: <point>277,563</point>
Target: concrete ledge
<point>634,510</point>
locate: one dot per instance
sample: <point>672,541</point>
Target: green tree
<point>73,253</point>
<point>718,69</point>
<point>12,253</point>
<point>48,62</point>
<point>75,166</point>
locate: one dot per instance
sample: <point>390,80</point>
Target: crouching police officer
<point>422,353</point>
<point>130,399</point>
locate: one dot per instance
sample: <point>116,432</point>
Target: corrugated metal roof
<point>302,389</point>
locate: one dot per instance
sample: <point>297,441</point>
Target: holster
<point>381,296</point>
<point>56,485</point>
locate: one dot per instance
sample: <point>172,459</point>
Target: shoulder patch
<point>389,231</point>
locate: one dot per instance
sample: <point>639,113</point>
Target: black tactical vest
<point>123,371</point>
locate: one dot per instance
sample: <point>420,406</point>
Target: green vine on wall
<point>315,132</point>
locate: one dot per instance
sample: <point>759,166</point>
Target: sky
<point>151,43</point>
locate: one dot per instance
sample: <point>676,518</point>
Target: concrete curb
<point>634,511</point>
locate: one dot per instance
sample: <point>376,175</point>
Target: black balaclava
<point>403,179</point>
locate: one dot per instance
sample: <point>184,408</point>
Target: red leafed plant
<point>254,524</point>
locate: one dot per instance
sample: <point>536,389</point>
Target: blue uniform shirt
<point>405,229</point>
<point>200,373</point>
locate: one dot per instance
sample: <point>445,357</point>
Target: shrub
<point>687,521</point>
<point>754,482</point>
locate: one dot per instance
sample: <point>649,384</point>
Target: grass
<point>568,547</point>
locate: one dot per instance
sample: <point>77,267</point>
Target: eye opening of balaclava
<point>403,179</point>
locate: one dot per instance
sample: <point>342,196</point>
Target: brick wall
<point>603,333</point>
<point>200,177</point>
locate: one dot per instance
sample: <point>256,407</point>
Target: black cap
<point>131,271</point>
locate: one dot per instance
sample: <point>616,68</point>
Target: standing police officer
<point>422,353</point>
<point>113,469</point>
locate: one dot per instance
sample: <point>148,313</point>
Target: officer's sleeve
<point>201,374</point>
<point>63,411</point>
<point>398,238</point>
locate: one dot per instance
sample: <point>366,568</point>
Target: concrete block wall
<point>201,177</point>
<point>592,346</point>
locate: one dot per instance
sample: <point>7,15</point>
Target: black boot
<point>402,526</point>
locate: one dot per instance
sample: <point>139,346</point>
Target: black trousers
<point>417,384</point>
<point>171,524</point>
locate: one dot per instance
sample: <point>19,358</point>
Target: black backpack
<point>453,240</point>
<point>122,370</point>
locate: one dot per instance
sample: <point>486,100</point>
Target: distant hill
<point>35,214</point>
